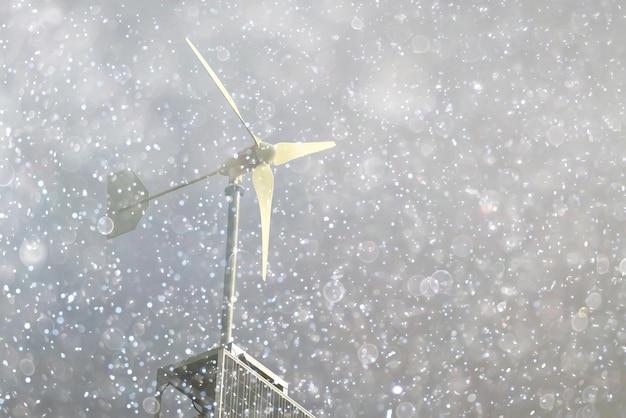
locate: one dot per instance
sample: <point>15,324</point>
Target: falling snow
<point>459,252</point>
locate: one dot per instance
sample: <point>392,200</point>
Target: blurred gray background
<point>459,253</point>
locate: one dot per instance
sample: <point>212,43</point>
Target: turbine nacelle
<point>248,159</point>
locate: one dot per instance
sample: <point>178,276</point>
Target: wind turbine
<point>128,198</point>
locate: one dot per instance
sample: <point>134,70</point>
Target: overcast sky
<point>460,252</point>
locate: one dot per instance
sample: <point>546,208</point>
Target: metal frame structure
<point>225,382</point>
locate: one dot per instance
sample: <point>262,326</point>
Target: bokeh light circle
<point>105,225</point>
<point>367,353</point>
<point>333,291</point>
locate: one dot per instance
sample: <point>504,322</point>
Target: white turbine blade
<point>287,151</point>
<point>263,181</point>
<point>225,93</point>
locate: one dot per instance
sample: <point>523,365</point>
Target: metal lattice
<point>225,382</point>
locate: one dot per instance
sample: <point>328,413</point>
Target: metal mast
<point>233,193</point>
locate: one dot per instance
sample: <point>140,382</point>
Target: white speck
<point>397,389</point>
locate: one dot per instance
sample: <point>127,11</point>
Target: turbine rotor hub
<point>247,159</point>
<point>265,153</point>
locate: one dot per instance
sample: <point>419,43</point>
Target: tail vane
<point>128,200</point>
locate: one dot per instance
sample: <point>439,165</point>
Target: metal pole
<point>233,193</point>
<point>171,189</point>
